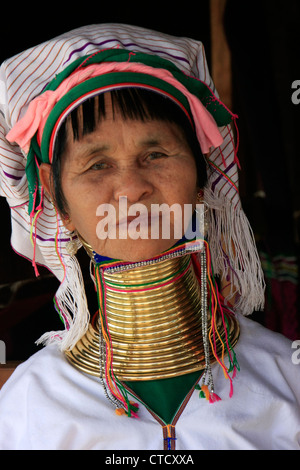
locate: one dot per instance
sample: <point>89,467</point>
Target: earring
<point>73,244</point>
<point>200,195</point>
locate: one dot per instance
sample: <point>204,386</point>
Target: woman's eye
<point>99,166</point>
<point>156,155</point>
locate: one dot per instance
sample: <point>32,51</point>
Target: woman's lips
<point>140,219</point>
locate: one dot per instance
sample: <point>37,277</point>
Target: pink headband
<point>39,108</point>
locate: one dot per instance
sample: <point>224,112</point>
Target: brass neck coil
<point>153,313</point>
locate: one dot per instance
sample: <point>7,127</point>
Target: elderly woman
<point>113,139</point>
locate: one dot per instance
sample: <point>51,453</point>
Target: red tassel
<point>214,397</point>
<point>210,396</point>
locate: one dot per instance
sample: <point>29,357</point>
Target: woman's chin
<point>135,250</point>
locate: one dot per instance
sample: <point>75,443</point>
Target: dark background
<point>263,38</point>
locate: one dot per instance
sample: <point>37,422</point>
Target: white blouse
<point>47,404</point>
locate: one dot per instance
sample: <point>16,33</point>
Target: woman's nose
<point>134,185</point>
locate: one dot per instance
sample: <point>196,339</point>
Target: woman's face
<point>145,162</point>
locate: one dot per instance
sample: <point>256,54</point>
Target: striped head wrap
<point>40,86</point>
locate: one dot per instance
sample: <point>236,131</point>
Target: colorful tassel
<point>206,393</point>
<point>114,390</point>
<point>210,333</point>
<point>130,412</point>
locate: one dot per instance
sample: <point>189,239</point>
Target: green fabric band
<point>165,396</point>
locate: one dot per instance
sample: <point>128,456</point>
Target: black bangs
<point>132,104</point>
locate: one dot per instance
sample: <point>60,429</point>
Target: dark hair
<point>132,103</point>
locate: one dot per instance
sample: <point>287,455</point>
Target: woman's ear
<point>45,178</point>
<point>46,181</point>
